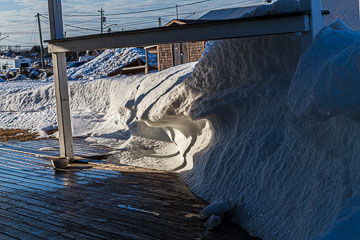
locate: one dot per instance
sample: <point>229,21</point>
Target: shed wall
<point>169,55</point>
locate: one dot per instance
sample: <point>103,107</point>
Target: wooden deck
<point>95,200</point>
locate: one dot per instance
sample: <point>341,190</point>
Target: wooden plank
<point>28,232</point>
<point>185,51</point>
<point>60,80</point>
<point>9,230</point>
<point>178,207</point>
<point>115,224</point>
<point>75,223</point>
<point>6,237</point>
<point>51,231</point>
<point>45,182</point>
<point>136,67</point>
<point>40,220</point>
<point>63,106</point>
<point>176,54</point>
<point>210,30</point>
<point>86,201</point>
<point>81,149</point>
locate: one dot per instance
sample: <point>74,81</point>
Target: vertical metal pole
<point>159,21</point>
<point>177,12</point>
<point>315,19</point>
<point>61,83</point>
<point>102,20</point>
<point>41,42</point>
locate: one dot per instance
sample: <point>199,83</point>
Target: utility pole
<point>177,12</point>
<point>41,42</point>
<point>159,21</point>
<point>101,20</point>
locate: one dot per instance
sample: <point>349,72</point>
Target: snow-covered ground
<point>273,133</point>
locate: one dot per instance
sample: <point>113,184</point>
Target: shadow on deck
<point>95,200</point>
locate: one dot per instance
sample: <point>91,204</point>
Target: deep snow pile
<point>108,61</point>
<point>291,175</point>
<point>108,111</point>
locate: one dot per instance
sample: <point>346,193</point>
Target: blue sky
<point>17,17</point>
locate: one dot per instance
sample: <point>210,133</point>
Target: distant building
<point>174,54</point>
<point>12,63</point>
<point>170,55</point>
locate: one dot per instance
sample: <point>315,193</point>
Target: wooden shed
<point>174,54</point>
<point>137,66</point>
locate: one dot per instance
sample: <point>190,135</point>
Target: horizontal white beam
<point>133,68</point>
<point>204,31</point>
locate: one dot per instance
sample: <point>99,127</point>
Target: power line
<point>138,23</point>
<point>89,29</point>
<point>245,3</point>
<point>33,33</point>
<point>15,41</point>
<point>188,14</point>
<point>73,26</point>
<point>157,16</point>
<point>158,9</point>
<point>135,12</point>
<point>124,20</point>
<point>92,20</point>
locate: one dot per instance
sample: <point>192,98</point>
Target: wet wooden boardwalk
<point>95,200</point>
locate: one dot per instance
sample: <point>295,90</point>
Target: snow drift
<point>108,61</point>
<point>291,175</point>
<point>255,124</point>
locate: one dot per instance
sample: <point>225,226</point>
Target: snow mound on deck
<point>292,178</point>
<point>108,61</point>
<point>329,84</point>
<point>113,112</point>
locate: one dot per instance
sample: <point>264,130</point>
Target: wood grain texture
<point>96,200</point>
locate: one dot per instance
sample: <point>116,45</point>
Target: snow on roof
<point>227,13</point>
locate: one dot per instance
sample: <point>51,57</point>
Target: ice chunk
<point>212,222</point>
<point>218,208</point>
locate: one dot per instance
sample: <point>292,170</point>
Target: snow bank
<point>113,112</point>
<point>108,61</point>
<point>328,85</point>
<point>291,177</point>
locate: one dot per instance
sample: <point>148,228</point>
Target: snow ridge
<point>108,61</point>
<point>285,144</point>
